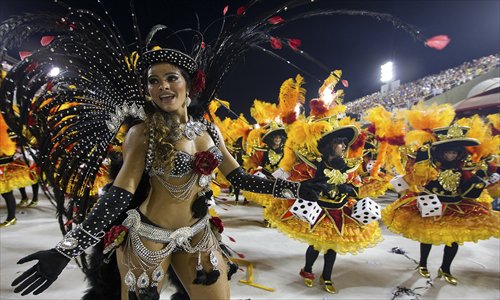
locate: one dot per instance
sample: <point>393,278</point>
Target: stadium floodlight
<point>54,72</point>
<point>386,72</point>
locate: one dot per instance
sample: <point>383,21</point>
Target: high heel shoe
<point>308,277</point>
<point>447,277</point>
<point>328,286</point>
<point>423,272</point>
<point>8,223</point>
<point>33,204</point>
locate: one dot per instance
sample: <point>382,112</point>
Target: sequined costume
<point>463,218</point>
<point>335,228</point>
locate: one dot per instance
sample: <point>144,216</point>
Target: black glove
<point>311,189</point>
<point>279,188</point>
<point>39,277</point>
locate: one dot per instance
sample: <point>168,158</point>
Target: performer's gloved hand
<point>311,189</point>
<point>345,189</point>
<point>39,277</point>
<point>279,188</point>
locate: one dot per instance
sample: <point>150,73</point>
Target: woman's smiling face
<point>167,87</point>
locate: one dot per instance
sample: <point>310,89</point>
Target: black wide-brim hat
<point>453,137</point>
<point>166,55</point>
<point>269,136</point>
<point>350,132</point>
<point>458,142</point>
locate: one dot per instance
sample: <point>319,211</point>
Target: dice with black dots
<point>366,211</point>
<point>429,205</point>
<point>306,210</point>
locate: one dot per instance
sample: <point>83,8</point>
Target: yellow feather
<point>291,94</point>
<point>7,146</point>
<point>494,120</point>
<point>479,130</point>
<point>263,112</point>
<point>424,117</point>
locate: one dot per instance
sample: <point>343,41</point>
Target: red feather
<point>241,255</point>
<point>289,118</point>
<point>231,239</point>
<point>240,10</point>
<point>199,81</point>
<point>276,43</point>
<point>438,42</point>
<point>294,44</point>
<point>276,20</point>
<point>224,11</point>
<point>24,54</point>
<point>317,107</point>
<point>345,83</point>
<point>46,40</point>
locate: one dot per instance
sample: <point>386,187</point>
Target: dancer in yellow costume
<point>335,231</point>
<point>441,168</point>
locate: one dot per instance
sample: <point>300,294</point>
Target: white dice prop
<point>366,211</point>
<point>281,174</point>
<point>306,210</point>
<point>369,165</point>
<point>260,174</point>
<point>429,205</point>
<point>399,183</point>
<point>494,178</point>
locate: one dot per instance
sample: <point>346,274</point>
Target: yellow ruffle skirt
<point>374,187</point>
<point>345,236</point>
<point>261,199</point>
<point>15,175</point>
<point>465,221</point>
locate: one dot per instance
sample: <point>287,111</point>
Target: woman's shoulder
<point>136,135</point>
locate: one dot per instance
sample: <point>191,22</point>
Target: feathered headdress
<point>330,100</point>
<point>479,131</point>
<point>423,118</point>
<point>292,94</point>
<point>390,133</point>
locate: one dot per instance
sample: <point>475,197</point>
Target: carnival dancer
<point>170,149</point>
<point>449,214</point>
<point>172,146</point>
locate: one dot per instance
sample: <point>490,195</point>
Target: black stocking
<point>448,256</point>
<point>34,187</point>
<point>330,256</point>
<point>237,194</point>
<point>23,194</point>
<point>11,205</point>
<point>425,249</point>
<point>311,256</point>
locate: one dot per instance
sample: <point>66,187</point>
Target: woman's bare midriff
<point>166,212</point>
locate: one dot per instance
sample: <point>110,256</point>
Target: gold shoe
<point>423,272</point>
<point>33,204</point>
<point>328,286</point>
<point>308,277</point>
<point>23,203</point>
<point>447,277</point>
<point>8,223</point>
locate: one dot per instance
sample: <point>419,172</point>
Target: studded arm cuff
<point>92,229</point>
<point>279,188</point>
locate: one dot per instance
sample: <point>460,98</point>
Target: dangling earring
<point>188,100</point>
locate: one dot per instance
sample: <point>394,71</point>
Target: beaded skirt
<point>466,221</point>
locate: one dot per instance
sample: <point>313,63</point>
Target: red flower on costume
<point>217,222</point>
<point>205,162</point>
<point>117,233</point>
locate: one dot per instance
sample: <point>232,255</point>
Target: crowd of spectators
<point>406,95</point>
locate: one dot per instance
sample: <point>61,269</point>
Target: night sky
<point>357,45</point>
